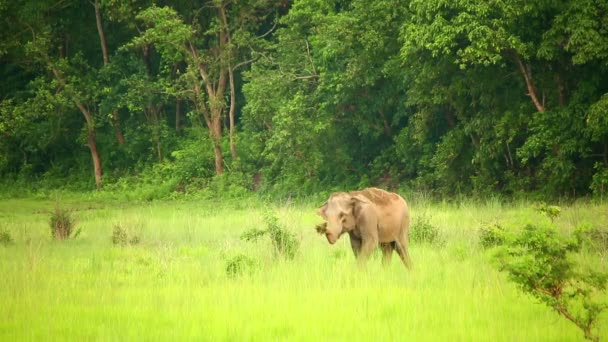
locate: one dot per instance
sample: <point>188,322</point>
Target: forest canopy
<point>291,97</point>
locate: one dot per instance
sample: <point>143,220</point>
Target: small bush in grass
<point>5,237</point>
<point>240,264</point>
<point>285,243</point>
<point>491,235</point>
<point>541,262</point>
<point>122,236</point>
<point>422,231</point>
<point>551,211</point>
<point>63,224</point>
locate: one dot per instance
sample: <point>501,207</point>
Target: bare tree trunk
<point>214,124</point>
<point>227,39</point>
<point>102,36</point>
<point>95,156</point>
<point>217,150</point>
<point>232,110</point>
<point>120,137</point>
<point>91,141</point>
<point>156,125</point>
<point>525,71</point>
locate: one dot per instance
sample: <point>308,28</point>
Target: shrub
<point>63,224</point>
<point>491,235</point>
<point>551,211</point>
<point>5,237</point>
<point>285,243</point>
<point>422,231</point>
<point>239,264</point>
<point>123,237</point>
<point>541,263</point>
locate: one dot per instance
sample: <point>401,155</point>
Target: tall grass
<point>174,284</point>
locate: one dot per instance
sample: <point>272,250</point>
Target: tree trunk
<point>216,135</point>
<point>232,110</point>
<point>102,36</point>
<point>91,141</point>
<point>157,134</point>
<point>525,71</point>
<point>95,157</point>
<point>120,137</point>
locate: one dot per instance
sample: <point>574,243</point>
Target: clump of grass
<point>239,264</point>
<point>63,224</point>
<point>285,242</point>
<point>491,235</point>
<point>596,239</point>
<point>122,236</point>
<point>422,231</point>
<point>5,237</point>
<point>339,254</point>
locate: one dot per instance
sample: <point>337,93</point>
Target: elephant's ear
<point>322,211</point>
<point>356,202</point>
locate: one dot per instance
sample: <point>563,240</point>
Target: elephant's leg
<point>401,247</point>
<point>367,248</point>
<point>387,252</point>
<point>355,244</point>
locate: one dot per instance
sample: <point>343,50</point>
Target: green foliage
<point>542,264</point>
<point>492,235</point>
<point>239,265</point>
<point>63,224</point>
<point>551,211</point>
<point>423,231</point>
<point>285,243</point>
<point>599,183</point>
<point>446,97</point>
<point>123,235</point>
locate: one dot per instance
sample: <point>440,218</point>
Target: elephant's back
<point>392,209</point>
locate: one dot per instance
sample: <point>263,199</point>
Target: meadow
<point>173,283</point>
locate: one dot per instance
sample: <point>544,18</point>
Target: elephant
<point>372,218</point>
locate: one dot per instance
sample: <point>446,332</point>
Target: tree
<point>209,47</point>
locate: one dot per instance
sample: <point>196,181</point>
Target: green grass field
<point>173,284</point>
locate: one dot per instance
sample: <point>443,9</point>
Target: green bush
<point>599,182</point>
<point>240,264</point>
<point>551,211</point>
<point>5,237</point>
<point>422,231</point>
<point>122,236</point>
<point>541,262</point>
<point>63,224</point>
<point>285,243</point>
<point>491,235</point>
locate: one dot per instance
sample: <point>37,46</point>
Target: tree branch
<point>525,71</point>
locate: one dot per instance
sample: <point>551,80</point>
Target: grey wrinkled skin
<point>372,218</point>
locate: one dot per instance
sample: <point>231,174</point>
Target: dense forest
<point>446,97</point>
